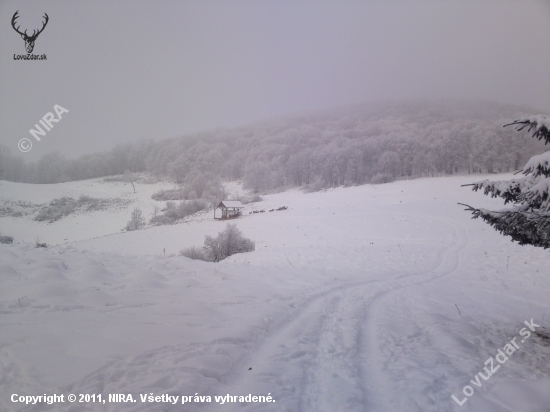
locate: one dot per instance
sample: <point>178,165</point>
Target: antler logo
<point>29,40</point>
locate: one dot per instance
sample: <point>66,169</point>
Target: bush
<point>57,209</point>
<point>136,221</point>
<point>245,199</point>
<point>85,199</point>
<point>174,212</point>
<point>147,180</point>
<point>379,178</point>
<point>37,243</point>
<point>171,194</point>
<point>228,242</point>
<point>194,252</point>
<point>90,203</point>
<point>6,210</point>
<point>6,240</point>
<point>198,186</point>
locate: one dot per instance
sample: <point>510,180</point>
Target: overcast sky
<point>127,70</point>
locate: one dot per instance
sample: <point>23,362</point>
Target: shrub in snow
<point>528,220</point>
<point>171,194</point>
<point>147,180</point>
<point>248,199</point>
<point>57,209</point>
<point>195,185</point>
<point>228,242</point>
<point>37,243</point>
<point>175,212</point>
<point>6,240</point>
<point>89,203</point>
<point>379,178</point>
<point>7,210</point>
<point>137,221</point>
<point>194,252</point>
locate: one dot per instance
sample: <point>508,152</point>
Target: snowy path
<point>322,355</point>
<point>326,357</point>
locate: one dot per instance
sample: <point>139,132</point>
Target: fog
<point>128,70</point>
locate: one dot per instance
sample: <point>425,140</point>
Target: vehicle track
<point>323,356</point>
<point>326,356</point>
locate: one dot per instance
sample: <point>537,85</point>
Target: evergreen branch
<point>510,191</point>
<point>538,165</point>
<point>528,222</point>
<point>524,227</point>
<point>536,125</point>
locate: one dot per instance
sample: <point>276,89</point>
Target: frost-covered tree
<point>331,148</point>
<point>130,177</point>
<point>137,221</point>
<point>227,243</point>
<point>528,220</point>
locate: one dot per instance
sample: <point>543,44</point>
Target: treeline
<point>347,146</point>
<point>55,167</point>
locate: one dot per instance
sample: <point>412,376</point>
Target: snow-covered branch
<point>509,190</point>
<point>538,195</point>
<point>528,221</point>
<point>538,165</point>
<point>538,126</point>
<point>526,227</point>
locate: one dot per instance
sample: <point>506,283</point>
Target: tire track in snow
<point>288,362</point>
<point>336,379</point>
<point>325,357</point>
<point>449,262</point>
<point>321,357</point>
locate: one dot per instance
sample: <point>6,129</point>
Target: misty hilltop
<point>349,145</point>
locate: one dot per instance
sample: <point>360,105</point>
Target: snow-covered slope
<point>30,198</point>
<point>369,298</point>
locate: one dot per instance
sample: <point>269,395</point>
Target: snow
<point>507,189</point>
<point>531,189</point>
<point>232,203</point>
<point>539,194</point>
<point>76,226</point>
<point>368,298</point>
<point>537,121</point>
<point>538,165</point>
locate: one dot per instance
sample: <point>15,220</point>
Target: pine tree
<point>528,220</point>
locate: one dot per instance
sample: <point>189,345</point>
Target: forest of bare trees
<point>346,146</point>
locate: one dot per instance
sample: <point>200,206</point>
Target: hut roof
<point>230,203</point>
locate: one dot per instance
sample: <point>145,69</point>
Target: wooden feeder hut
<point>230,209</point>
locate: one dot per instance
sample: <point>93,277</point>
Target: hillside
<point>367,298</point>
<point>345,146</point>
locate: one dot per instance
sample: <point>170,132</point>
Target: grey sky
<point>154,69</point>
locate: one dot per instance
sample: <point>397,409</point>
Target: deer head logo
<point>29,40</point>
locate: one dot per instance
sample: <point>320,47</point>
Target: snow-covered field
<point>368,298</point>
